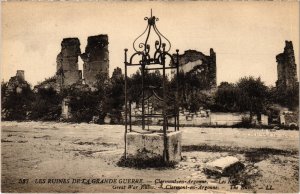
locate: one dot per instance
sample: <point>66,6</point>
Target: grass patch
<point>142,161</point>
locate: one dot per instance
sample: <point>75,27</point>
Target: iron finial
<point>158,44</point>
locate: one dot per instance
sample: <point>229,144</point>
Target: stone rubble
<point>221,164</point>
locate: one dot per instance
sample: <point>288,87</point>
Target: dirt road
<point>64,157</point>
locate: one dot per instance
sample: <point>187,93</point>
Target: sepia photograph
<point>150,96</point>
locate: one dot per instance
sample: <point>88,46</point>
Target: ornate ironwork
<point>146,60</point>
<point>158,43</point>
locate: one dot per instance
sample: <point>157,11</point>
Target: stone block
<point>151,145</point>
<point>107,119</point>
<point>66,109</point>
<point>222,164</point>
<point>264,119</point>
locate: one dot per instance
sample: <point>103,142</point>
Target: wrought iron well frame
<point>159,58</point>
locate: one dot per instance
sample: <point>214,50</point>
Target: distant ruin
<point>193,61</point>
<point>16,83</point>
<point>68,71</point>
<point>20,74</point>
<point>96,58</point>
<point>286,68</point>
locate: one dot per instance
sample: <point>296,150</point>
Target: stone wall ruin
<point>192,61</point>
<point>17,83</point>
<point>68,71</point>
<point>95,58</point>
<point>286,68</point>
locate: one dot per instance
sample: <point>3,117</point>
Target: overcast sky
<point>246,36</point>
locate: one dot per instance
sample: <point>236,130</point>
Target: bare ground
<point>48,150</point>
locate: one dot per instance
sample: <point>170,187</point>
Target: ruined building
<point>95,58</point>
<point>15,98</point>
<point>68,72</point>
<point>286,68</point>
<point>20,74</point>
<point>193,61</point>
<point>17,83</point>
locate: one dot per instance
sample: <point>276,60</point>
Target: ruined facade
<point>17,83</point>
<point>68,72</point>
<point>286,68</point>
<point>16,98</point>
<point>95,58</point>
<point>193,61</point>
<point>20,74</point>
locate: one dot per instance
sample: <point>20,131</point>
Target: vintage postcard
<point>150,96</point>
